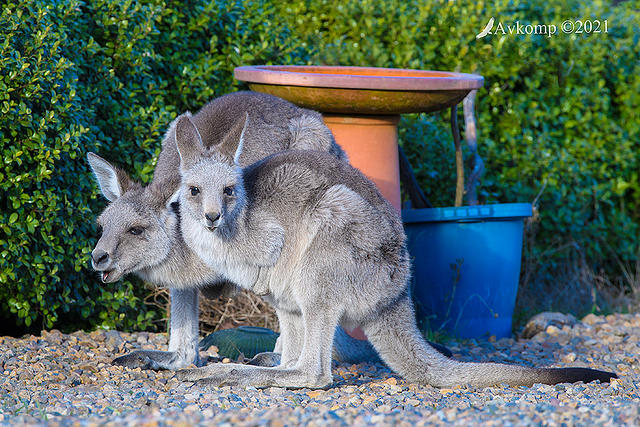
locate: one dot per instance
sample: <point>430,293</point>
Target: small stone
<point>569,357</point>
<point>590,319</point>
<point>394,389</point>
<point>369,399</point>
<point>552,330</point>
<point>355,401</point>
<point>315,393</point>
<point>88,367</point>
<point>113,339</point>
<point>391,381</point>
<point>53,336</point>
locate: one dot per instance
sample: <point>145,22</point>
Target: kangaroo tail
<point>394,334</point>
<point>309,132</point>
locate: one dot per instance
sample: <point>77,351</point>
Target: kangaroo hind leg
<point>312,370</point>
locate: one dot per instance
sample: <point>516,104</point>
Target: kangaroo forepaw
<point>155,359</point>
<point>136,359</point>
<point>267,359</point>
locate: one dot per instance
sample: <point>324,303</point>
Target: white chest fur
<point>222,256</point>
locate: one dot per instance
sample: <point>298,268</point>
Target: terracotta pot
<point>361,106</point>
<point>371,142</point>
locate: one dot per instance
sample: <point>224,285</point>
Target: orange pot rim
<point>358,77</point>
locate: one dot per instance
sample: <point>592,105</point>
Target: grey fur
<point>316,238</point>
<point>158,254</point>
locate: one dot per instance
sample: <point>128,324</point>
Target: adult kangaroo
<point>140,226</point>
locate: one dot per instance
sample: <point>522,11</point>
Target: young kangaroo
<point>317,239</point>
<point>140,226</point>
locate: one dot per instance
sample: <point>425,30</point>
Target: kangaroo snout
<point>101,262</point>
<point>212,220</point>
<point>99,257</point>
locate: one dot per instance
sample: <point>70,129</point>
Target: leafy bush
<point>41,129</point>
<point>556,113</point>
<point>105,76</point>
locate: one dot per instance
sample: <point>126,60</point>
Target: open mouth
<point>105,275</point>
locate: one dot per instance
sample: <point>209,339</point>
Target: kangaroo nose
<point>99,256</point>
<point>211,218</point>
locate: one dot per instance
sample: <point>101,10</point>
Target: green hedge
<point>105,76</point>
<point>109,75</point>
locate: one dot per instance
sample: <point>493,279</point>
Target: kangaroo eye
<point>194,191</point>
<point>136,231</point>
<point>228,191</point>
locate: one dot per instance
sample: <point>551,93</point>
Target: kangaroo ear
<point>113,182</point>
<point>233,142</point>
<point>188,141</point>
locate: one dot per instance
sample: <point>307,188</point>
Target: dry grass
<point>561,279</point>
<point>242,309</point>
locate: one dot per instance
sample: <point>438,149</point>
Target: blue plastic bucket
<point>466,266</point>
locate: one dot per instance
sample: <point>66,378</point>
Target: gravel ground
<point>63,379</point>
